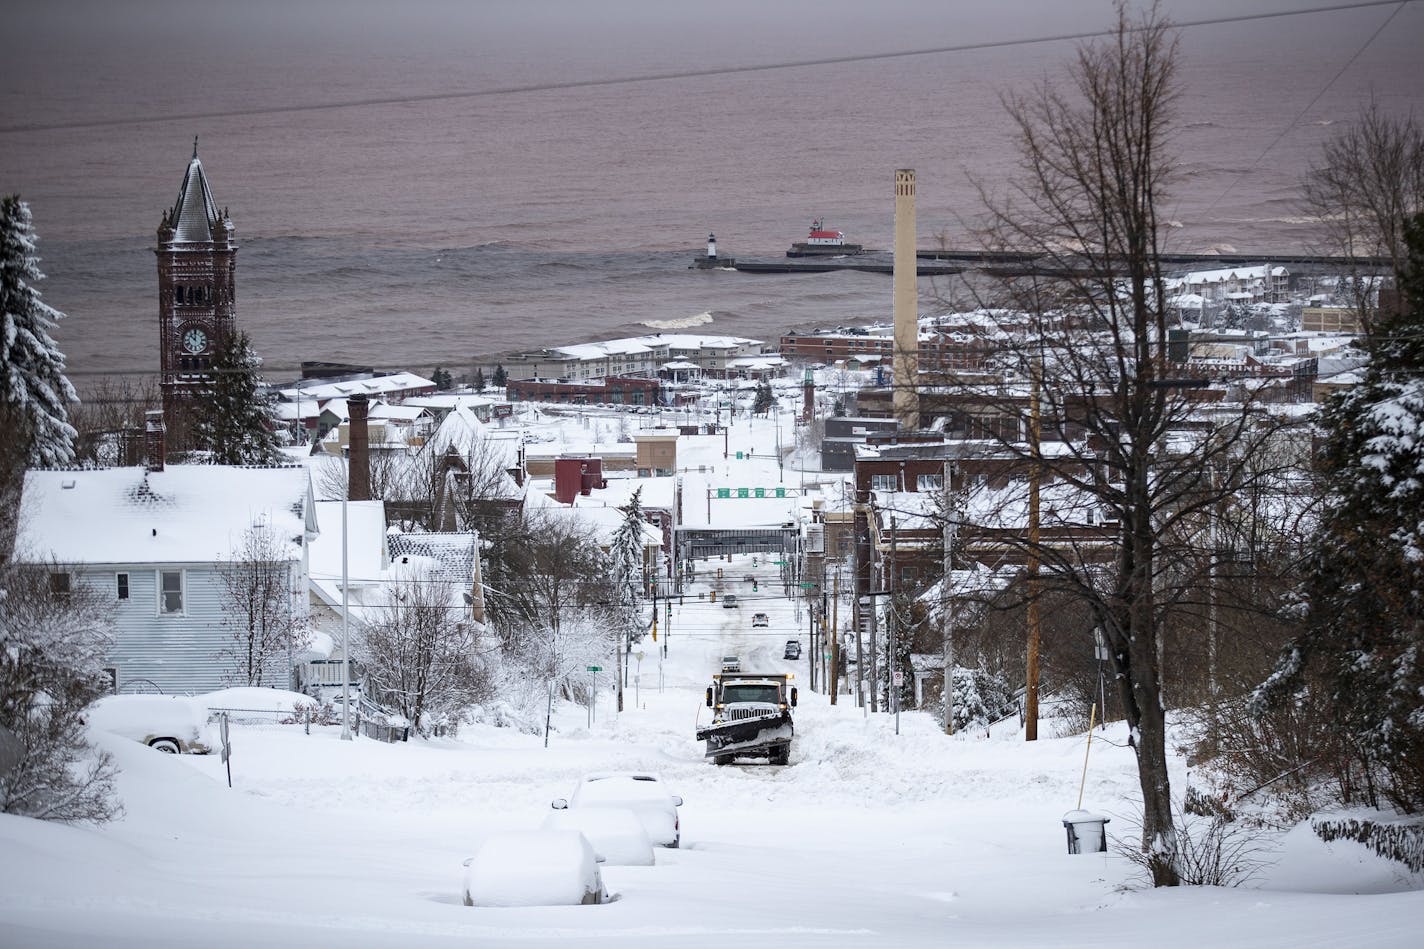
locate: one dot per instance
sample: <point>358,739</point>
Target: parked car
<point>616,833</point>
<point>731,664</point>
<point>641,792</point>
<point>729,601</point>
<point>760,619</point>
<point>534,868</point>
<point>793,649</point>
<point>171,724</point>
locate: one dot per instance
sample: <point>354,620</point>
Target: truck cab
<point>751,717</point>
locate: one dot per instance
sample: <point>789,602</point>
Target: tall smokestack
<point>358,450</point>
<point>907,317</point>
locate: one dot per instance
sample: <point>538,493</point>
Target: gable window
<point>882,482</point>
<point>929,482</point>
<point>170,591</point>
<point>122,585</point>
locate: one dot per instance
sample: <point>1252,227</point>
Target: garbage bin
<point>1086,833</point>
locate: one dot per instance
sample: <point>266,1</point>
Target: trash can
<point>1086,833</point>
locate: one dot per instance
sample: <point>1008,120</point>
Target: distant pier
<point>935,263</point>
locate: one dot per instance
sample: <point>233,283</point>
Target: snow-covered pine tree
<point>625,555</point>
<point>34,392</point>
<point>764,399</point>
<point>232,417</point>
<point>1364,636</point>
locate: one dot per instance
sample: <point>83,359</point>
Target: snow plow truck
<point>751,717</point>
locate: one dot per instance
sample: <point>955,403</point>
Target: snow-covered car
<point>172,724</point>
<point>534,868</point>
<point>793,649</point>
<point>760,619</point>
<point>729,601</point>
<point>731,664</point>
<point>641,792</point>
<point>616,833</point>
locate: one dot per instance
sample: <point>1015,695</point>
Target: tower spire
<point>195,146</point>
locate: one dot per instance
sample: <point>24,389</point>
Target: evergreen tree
<point>626,557</point>
<point>441,378</point>
<point>1364,636</point>
<point>233,417</point>
<point>500,377</point>
<point>479,380</point>
<point>34,393</point>
<point>764,399</point>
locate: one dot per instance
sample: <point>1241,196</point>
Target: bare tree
<point>261,613</point>
<point>421,651</point>
<point>1368,182</point>
<point>112,411</point>
<point>53,638</point>
<point>1100,425</point>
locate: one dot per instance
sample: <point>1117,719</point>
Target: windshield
<point>751,693</point>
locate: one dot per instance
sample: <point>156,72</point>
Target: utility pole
<point>894,673</point>
<point>947,597</point>
<point>1035,471</point>
<point>835,676</point>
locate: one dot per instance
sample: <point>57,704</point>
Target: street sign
<point>594,668</point>
<point>809,586</point>
<point>899,678</point>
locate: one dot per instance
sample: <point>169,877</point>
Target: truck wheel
<point>781,755</point>
<point>722,759</point>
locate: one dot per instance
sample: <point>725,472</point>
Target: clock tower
<point>197,260</point>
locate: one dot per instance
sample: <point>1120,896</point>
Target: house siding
<point>176,653</point>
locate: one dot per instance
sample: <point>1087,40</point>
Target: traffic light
<point>754,586</point>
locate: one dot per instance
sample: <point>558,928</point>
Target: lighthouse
<point>711,261</point>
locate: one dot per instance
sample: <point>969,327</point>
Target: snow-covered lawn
<point>868,838</point>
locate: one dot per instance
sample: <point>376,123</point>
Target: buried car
<point>615,833</point>
<point>534,868</point>
<point>642,793</point>
<point>171,724</point>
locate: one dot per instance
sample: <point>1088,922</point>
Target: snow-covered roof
<point>183,514</point>
<point>378,385</point>
<point>195,211</point>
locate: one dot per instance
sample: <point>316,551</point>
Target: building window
<point>170,592</point>
<point>882,482</point>
<point>112,673</point>
<point>122,584</point>
<point>929,482</point>
<point>59,584</point>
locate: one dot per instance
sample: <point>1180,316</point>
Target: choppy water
<point>438,231</point>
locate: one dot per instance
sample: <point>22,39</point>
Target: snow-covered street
<point>867,838</point>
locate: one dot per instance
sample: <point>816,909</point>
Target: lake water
<point>463,220</point>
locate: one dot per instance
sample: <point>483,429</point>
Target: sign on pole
<point>594,668</point>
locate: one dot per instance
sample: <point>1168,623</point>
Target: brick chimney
<point>358,450</point>
<point>155,442</point>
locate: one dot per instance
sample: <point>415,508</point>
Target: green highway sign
<point>594,668</point>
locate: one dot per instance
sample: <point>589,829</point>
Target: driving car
<point>731,664</point>
<point>793,649</point>
<point>729,601</point>
<point>641,792</point>
<point>172,724</point>
<point>760,619</point>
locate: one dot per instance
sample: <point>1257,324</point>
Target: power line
<point>1308,106</point>
<point>680,74</point>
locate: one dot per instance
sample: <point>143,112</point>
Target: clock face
<point>195,341</point>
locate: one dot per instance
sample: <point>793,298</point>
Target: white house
<point>156,542</point>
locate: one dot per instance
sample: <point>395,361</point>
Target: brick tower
<point>197,261</point>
